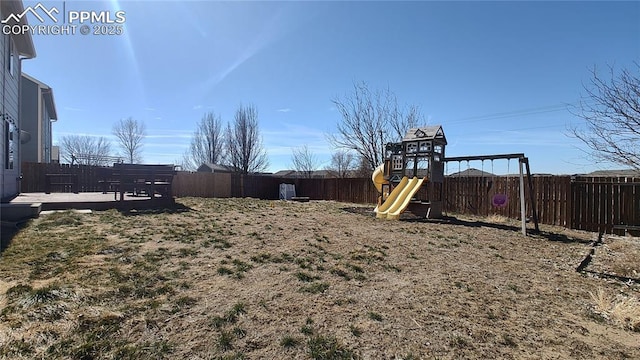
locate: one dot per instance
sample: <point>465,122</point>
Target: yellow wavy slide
<point>404,198</point>
<point>381,211</point>
<point>378,180</point>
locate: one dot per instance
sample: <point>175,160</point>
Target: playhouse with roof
<point>412,174</point>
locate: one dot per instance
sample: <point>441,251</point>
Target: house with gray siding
<point>37,112</point>
<point>13,49</point>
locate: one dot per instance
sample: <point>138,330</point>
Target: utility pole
<point>382,150</point>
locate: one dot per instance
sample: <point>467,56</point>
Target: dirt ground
<point>254,279</point>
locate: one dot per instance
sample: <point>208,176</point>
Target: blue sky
<point>496,75</point>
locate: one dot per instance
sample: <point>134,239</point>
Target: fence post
<point>523,210</point>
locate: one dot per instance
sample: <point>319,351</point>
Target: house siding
<point>30,122</point>
<point>3,40</point>
<point>36,119</point>
<point>45,141</point>
<point>10,118</point>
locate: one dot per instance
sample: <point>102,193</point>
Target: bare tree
<point>611,113</point>
<point>130,134</point>
<point>363,169</point>
<point>244,144</point>
<point>342,163</point>
<point>207,143</point>
<point>304,161</point>
<point>401,121</point>
<point>85,150</point>
<point>369,121</point>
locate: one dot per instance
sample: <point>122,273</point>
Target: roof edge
<point>24,41</point>
<point>47,94</point>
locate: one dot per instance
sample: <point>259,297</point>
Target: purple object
<point>499,200</point>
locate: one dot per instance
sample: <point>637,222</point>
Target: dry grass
<point>497,219</point>
<point>250,279</point>
<point>618,256</point>
<point>621,310</point>
<point>624,256</point>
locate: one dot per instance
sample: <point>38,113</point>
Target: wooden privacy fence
<point>585,203</point>
<point>599,203</point>
<point>267,187</point>
<point>354,190</point>
<point>202,185</point>
<point>474,195</point>
<point>34,176</point>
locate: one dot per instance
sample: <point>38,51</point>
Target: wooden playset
<point>412,176</point>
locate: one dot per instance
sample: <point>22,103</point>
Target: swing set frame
<point>523,163</point>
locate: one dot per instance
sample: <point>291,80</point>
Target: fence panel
<point>202,185</point>
<point>33,176</point>
<point>599,203</point>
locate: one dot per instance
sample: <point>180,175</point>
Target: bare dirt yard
<point>254,279</point>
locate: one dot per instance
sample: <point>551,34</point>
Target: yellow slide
<point>381,211</point>
<point>404,198</point>
<point>378,178</point>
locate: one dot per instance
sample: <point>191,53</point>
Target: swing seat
<point>499,200</point>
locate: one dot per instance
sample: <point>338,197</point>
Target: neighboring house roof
<point>47,94</point>
<point>619,172</point>
<point>471,172</point>
<point>208,167</point>
<point>284,173</point>
<point>23,41</point>
<point>321,174</point>
<point>316,174</point>
<point>347,174</point>
<point>425,133</point>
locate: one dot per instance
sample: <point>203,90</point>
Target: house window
<point>423,166</point>
<point>425,146</point>
<point>5,143</point>
<point>423,163</point>
<point>409,167</point>
<point>412,147</point>
<point>9,145</point>
<point>10,60</point>
<point>397,162</point>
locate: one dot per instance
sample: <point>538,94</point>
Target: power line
<point>514,113</point>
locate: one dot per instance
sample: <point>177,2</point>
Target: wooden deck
<point>90,200</point>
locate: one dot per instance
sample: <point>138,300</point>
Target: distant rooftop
<point>619,172</point>
<point>472,172</point>
<point>316,174</point>
<point>215,168</point>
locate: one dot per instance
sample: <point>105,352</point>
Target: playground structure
<point>412,175</point>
